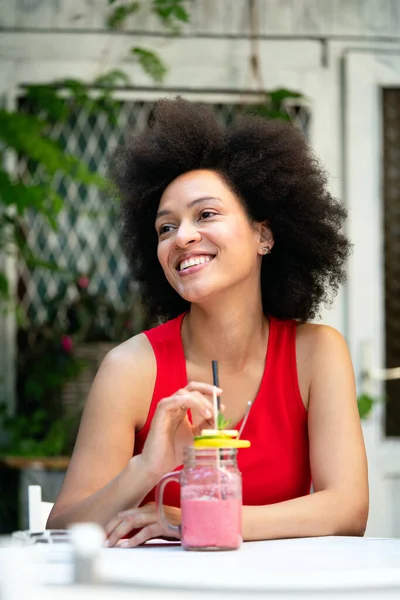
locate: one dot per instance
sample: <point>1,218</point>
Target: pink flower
<point>83,282</point>
<point>66,343</point>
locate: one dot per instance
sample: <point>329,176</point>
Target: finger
<point>126,514</point>
<point>209,401</point>
<point>128,520</point>
<point>205,424</point>
<point>144,535</point>
<point>203,388</point>
<point>206,390</point>
<point>182,402</point>
<point>181,392</point>
<point>109,528</point>
<point>126,529</point>
<point>123,529</point>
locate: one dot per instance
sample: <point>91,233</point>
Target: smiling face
<point>206,242</point>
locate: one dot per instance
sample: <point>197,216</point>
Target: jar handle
<point>175,530</point>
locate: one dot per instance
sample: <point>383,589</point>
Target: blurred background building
<point>330,66</point>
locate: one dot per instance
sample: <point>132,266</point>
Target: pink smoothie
<point>211,523</point>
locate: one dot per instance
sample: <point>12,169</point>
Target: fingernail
<point>125,545</point>
<point>207,413</point>
<point>107,544</point>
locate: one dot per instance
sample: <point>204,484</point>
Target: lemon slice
<point>220,432</point>
<point>214,442</point>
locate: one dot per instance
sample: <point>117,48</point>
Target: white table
<point>313,568</point>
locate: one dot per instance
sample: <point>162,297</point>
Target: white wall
<point>373,18</point>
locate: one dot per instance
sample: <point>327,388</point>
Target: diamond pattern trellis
<point>87,236</point>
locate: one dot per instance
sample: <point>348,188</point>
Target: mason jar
<point>211,500</point>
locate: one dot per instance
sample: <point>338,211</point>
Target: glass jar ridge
<point>226,457</point>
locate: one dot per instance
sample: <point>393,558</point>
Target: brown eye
<point>164,229</point>
<point>206,214</point>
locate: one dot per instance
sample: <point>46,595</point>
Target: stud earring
<point>266,250</point>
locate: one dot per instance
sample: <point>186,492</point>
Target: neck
<point>228,331</point>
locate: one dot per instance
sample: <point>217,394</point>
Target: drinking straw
<point>246,416</point>
<point>216,406</point>
<point>216,380</point>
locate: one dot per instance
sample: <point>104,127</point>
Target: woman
<point>235,241</point>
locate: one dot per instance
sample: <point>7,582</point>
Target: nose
<point>187,234</point>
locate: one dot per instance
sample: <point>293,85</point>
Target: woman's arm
<point>339,505</point>
<point>102,477</point>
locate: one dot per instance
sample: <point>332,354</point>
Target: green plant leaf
<point>24,197</point>
<point>279,95</point>
<point>274,106</point>
<point>79,91</point>
<point>267,112</point>
<point>116,19</point>
<point>365,404</point>
<point>113,78</point>
<point>171,13</point>
<point>181,14</point>
<point>46,98</point>
<point>222,423</point>
<point>150,63</point>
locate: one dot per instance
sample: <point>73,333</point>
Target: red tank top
<point>276,467</point>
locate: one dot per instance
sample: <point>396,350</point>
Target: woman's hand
<point>145,523</point>
<point>171,429</point>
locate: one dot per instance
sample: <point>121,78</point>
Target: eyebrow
<point>164,213</point>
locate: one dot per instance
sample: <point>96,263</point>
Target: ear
<point>266,238</point>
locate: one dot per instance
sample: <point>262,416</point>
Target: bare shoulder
<point>126,378</point>
<point>134,357</point>
<point>315,339</point>
<point>321,351</point>
<point>325,357</point>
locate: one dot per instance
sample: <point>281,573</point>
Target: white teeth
<point>194,260</point>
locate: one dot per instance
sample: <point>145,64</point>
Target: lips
<point>193,260</point>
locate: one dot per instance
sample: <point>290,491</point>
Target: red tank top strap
<point>284,364</point>
<point>171,375</point>
<point>280,373</point>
